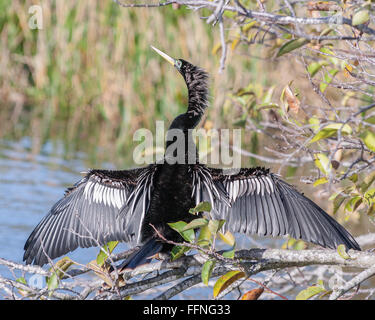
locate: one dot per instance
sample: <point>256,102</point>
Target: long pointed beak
<point>165,56</point>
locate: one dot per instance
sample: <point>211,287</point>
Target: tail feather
<point>142,256</point>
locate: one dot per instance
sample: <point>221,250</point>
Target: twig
<point>223,46</point>
<point>364,275</point>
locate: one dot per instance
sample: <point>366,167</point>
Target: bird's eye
<point>178,64</point>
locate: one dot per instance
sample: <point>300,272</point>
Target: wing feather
<point>88,214</point>
<point>261,203</point>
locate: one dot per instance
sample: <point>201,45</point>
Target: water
<point>29,186</point>
<point>31,183</point>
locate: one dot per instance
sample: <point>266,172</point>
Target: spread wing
<point>88,214</point>
<point>263,204</point>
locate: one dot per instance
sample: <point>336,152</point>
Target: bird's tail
<point>143,255</point>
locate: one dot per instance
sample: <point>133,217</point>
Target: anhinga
<point>122,205</point>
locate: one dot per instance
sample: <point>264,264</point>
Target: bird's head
<point>190,72</point>
<point>196,81</point>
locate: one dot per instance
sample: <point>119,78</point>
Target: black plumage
<point>122,205</point>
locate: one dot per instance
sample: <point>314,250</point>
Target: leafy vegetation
<point>302,92</point>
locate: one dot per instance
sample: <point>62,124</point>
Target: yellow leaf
<point>226,280</point>
<point>235,43</point>
<point>228,238</point>
<point>361,17</point>
<point>322,162</point>
<point>370,196</point>
<point>348,70</point>
<point>368,138</point>
<point>320,181</point>
<point>341,250</point>
<point>310,292</point>
<point>216,48</point>
<point>248,26</point>
<point>100,272</point>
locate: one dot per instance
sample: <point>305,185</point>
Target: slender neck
<point>196,83</point>
<point>180,144</point>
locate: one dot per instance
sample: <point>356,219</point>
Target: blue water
<point>29,186</point>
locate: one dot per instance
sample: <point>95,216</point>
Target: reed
<point>89,73</point>
<point>89,78</point>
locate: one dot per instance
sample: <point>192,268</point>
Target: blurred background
<point>73,93</point>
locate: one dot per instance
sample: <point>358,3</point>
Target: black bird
<point>120,205</point>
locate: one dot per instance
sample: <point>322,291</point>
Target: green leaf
<point>323,134</point>
<point>367,182</point>
<point>354,178</point>
<point>201,207</point>
<point>299,245</point>
<point>102,256</point>
<point>178,251</point>
<point>294,244</point>
<point>345,129</point>
<point>314,122</point>
<point>215,225</point>
<point>314,67</point>
<point>330,130</point>
<point>58,269</point>
<point>334,195</point>
<point>322,162</point>
<point>326,31</point>
<point>327,79</point>
<point>360,17</point>
<point>353,203</point>
<point>267,98</point>
<point>341,250</point>
<point>310,292</point>
<point>229,254</point>
<point>21,280</point>
<point>53,282</point>
<point>226,280</point>
<point>371,211</point>
<point>291,45</point>
<point>188,235</point>
<point>207,271</point>
<point>204,238</point>
<point>370,196</point>
<point>370,120</point>
<point>229,14</point>
<point>291,171</point>
<point>178,226</point>
<point>62,266</point>
<point>330,55</point>
<point>337,202</point>
<point>368,138</point>
<point>196,223</point>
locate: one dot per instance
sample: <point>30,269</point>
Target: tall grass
<point>89,74</point>
<point>89,77</point>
